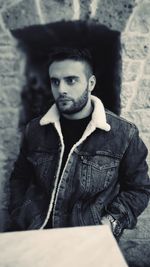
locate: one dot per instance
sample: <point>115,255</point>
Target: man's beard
<point>68,105</point>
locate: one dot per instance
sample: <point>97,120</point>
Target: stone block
<point>8,118</point>
<point>2,172</point>
<point>126,94</point>
<point>6,81</point>
<point>136,251</point>
<point>6,39</point>
<point>142,98</point>
<point>141,230</point>
<point>5,36</point>
<point>135,47</point>
<point>114,14</point>
<point>10,146</point>
<point>131,71</point>
<point>141,20</point>
<point>21,14</point>
<point>9,166</point>
<point>125,67</point>
<point>10,97</point>
<point>3,157</point>
<point>10,142</point>
<point>147,67</point>
<point>6,3</point>
<point>9,67</point>
<point>53,10</point>
<point>85,9</point>
<point>7,52</point>
<point>2,187</point>
<point>2,4</point>
<point>139,117</point>
<point>4,197</point>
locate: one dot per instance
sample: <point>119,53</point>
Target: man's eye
<point>54,82</point>
<point>71,80</point>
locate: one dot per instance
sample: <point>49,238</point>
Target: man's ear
<point>92,83</point>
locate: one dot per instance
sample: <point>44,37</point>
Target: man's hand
<point>112,223</point>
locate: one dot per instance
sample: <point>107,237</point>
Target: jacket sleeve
<point>134,191</point>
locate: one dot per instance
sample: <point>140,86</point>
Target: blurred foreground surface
<point>78,246</point>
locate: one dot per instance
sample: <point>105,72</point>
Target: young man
<point>79,164</point>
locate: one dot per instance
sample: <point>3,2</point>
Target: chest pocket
<point>97,172</point>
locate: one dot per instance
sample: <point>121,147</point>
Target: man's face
<point>69,84</point>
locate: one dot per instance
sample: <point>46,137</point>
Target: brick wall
<point>130,17</point>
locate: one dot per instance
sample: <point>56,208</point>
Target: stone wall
<point>130,17</point>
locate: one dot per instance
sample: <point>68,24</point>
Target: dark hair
<point>77,54</point>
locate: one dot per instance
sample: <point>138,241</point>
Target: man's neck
<point>85,112</point>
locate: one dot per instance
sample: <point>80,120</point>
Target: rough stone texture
<point>6,116</point>
<point>142,98</point>
<point>147,67</point>
<point>7,146</point>
<point>126,94</point>
<point>55,10</point>
<point>140,117</point>
<point>136,69</point>
<point>22,14</point>
<point>131,71</point>
<point>10,88</point>
<point>5,36</point>
<point>85,10</point>
<point>14,101</point>
<point>7,52</point>
<point>136,252</point>
<point>135,243</point>
<point>6,80</point>
<point>136,47</point>
<point>114,14</point>
<point>8,66</point>
<point>7,3</point>
<point>141,230</point>
<point>141,21</point>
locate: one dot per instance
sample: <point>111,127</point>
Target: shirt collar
<point>98,116</point>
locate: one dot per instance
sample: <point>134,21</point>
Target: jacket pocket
<point>44,167</point>
<point>40,161</point>
<point>97,172</point>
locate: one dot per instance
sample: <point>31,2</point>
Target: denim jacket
<point>105,173</point>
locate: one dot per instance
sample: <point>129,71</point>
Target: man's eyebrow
<point>66,77</point>
<point>54,78</point>
<point>71,76</point>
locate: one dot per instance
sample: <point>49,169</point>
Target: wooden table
<point>92,246</point>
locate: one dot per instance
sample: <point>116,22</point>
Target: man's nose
<point>62,87</point>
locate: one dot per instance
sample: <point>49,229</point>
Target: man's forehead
<point>67,67</point>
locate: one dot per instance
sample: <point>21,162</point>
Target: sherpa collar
<point>98,115</point>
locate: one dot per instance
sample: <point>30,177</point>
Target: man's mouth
<point>64,100</point>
